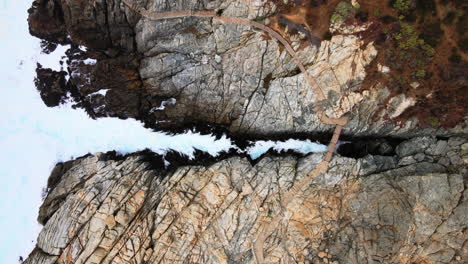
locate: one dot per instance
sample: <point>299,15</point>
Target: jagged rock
<point>51,86</point>
<point>408,160</point>
<point>46,21</point>
<point>118,75</point>
<point>456,141</point>
<point>407,204</point>
<point>414,145</point>
<point>108,209</point>
<point>383,68</point>
<point>439,149</point>
<point>399,104</point>
<point>96,24</point>
<point>219,73</point>
<point>375,164</point>
<point>415,85</point>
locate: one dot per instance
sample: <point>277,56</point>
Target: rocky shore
<point>407,208</point>
<point>394,193</point>
<point>215,73</point>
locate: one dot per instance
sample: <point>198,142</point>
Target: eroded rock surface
<point>103,209</point>
<point>408,205</point>
<point>219,73</point>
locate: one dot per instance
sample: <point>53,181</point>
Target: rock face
<point>407,205</point>
<point>219,73</point>
<point>104,209</point>
<point>51,86</point>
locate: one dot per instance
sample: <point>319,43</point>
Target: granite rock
<point>104,209</point>
<point>219,73</point>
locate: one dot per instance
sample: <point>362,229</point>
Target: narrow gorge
<point>367,79</point>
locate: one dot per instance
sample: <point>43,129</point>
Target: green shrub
<point>259,19</point>
<point>402,6</point>
<point>433,121</point>
<point>408,39</point>
<point>428,49</point>
<point>342,12</point>
<point>420,74</point>
<point>420,63</point>
<point>377,12</point>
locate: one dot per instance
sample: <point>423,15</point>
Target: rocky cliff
<point>217,72</point>
<point>255,68</point>
<point>406,208</point>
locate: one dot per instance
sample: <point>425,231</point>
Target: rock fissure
<point>280,198</point>
<point>389,201</point>
<point>256,89</point>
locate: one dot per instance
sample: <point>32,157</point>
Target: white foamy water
<point>33,137</point>
<point>300,146</point>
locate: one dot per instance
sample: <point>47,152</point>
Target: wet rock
<point>385,148</point>
<point>98,25</point>
<point>414,146</point>
<point>46,21</point>
<point>52,86</point>
<point>118,76</point>
<point>359,148</point>
<point>375,164</point>
<point>48,47</point>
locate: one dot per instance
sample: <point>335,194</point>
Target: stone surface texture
<point>219,73</point>
<point>123,210</point>
<point>407,204</point>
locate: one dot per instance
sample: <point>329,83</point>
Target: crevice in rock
<point>353,148</point>
<point>38,250</point>
<point>256,89</point>
<point>359,147</point>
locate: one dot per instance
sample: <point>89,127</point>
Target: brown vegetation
<point>419,48</point>
<point>311,15</point>
<point>421,41</point>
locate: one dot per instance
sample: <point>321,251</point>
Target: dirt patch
<point>311,17</point>
<point>431,72</point>
<point>422,43</point>
<point>435,78</point>
<point>267,81</point>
